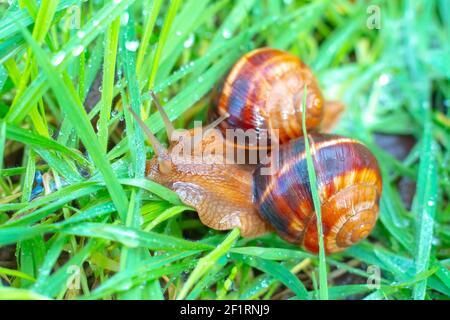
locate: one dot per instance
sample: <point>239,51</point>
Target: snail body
<point>227,195</point>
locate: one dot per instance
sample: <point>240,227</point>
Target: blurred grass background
<point>68,67</point>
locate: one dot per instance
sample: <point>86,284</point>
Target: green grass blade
<point>323,282</point>
<point>208,261</point>
<point>69,100</point>
<point>425,205</point>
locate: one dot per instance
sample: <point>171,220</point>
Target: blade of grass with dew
<point>8,293</point>
<point>85,36</point>
<point>173,8</point>
<point>183,24</point>
<point>28,179</point>
<point>132,256</point>
<point>257,287</point>
<point>167,214</point>
<point>309,20</point>
<point>397,265</point>
<point>133,238</point>
<point>109,64</point>
<point>143,270</point>
<point>323,282</point>
<point>281,254</point>
<point>30,256</point>
<point>17,171</point>
<point>58,281</point>
<point>28,138</point>
<point>94,65</point>
<point>217,273</point>
<point>50,203</point>
<point>49,262</point>
<point>44,17</point>
<point>345,291</point>
<point>14,234</point>
<point>425,207</point>
<point>172,271</point>
<point>61,165</point>
<point>157,189</point>
<point>16,274</point>
<point>206,263</point>
<point>277,271</point>
<point>336,42</point>
<point>7,27</point>
<point>152,14</point>
<point>69,100</point>
<point>2,147</point>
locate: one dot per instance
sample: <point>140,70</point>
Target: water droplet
<point>124,18</point>
<point>58,58</point>
<point>200,79</point>
<point>117,1</point>
<point>430,203</point>
<point>178,33</point>
<point>132,45</point>
<point>81,34</point>
<point>189,41</point>
<point>77,50</point>
<point>226,34</point>
<point>384,79</point>
<point>96,23</point>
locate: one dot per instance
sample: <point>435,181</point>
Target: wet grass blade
<point>69,101</point>
<point>425,205</point>
<point>323,282</point>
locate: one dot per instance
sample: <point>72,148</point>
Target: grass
<point>106,232</point>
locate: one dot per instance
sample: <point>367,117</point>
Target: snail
<point>263,91</point>
<point>349,187</point>
<point>228,195</point>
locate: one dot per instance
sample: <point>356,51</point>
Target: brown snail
<point>264,90</point>
<point>230,196</point>
<point>349,186</point>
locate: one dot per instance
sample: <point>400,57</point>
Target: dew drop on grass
<point>77,50</point>
<point>96,23</point>
<point>132,45</point>
<point>117,1</point>
<point>127,237</point>
<point>189,41</point>
<point>178,33</point>
<point>81,34</point>
<point>58,58</point>
<point>384,79</point>
<point>124,286</point>
<point>200,79</point>
<point>124,18</point>
<point>226,34</point>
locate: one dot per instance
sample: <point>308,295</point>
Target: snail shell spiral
<point>349,186</point>
<point>264,90</point>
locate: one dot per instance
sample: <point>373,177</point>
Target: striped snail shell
<point>264,90</point>
<point>349,186</point>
